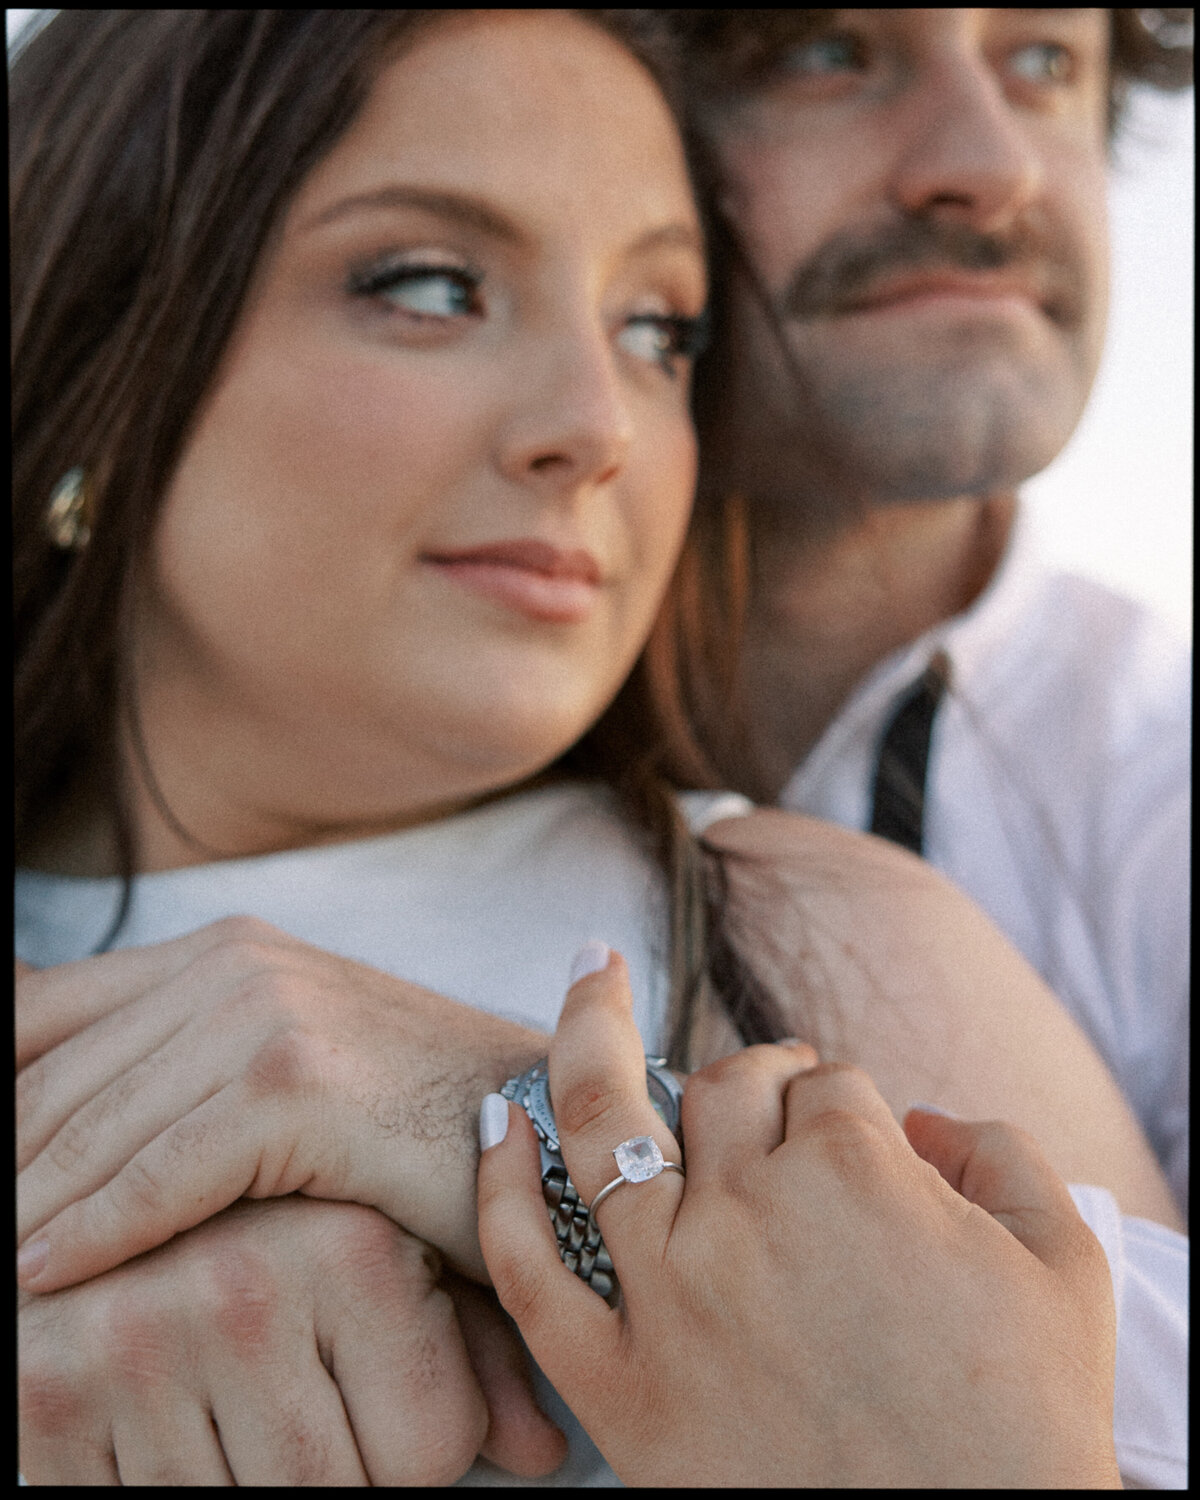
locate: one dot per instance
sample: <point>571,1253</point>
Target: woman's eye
<point>1042,62</point>
<point>664,339</point>
<point>425,291</point>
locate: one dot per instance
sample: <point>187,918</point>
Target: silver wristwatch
<point>579,1242</point>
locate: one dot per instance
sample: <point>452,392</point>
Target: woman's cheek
<point>663,497</point>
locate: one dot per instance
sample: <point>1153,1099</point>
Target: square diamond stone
<point>639,1159</point>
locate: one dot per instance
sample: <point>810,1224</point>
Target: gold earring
<point>68,516</point>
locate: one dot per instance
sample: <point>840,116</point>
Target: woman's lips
<point>531,577</point>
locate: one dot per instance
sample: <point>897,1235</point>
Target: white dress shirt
<point>1058,796</point>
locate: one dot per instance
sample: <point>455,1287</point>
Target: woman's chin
<point>517,724</point>
<point>511,749</point>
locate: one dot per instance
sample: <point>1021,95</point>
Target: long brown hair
<point>152,151</point>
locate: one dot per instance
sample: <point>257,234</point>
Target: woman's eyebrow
<point>460,207</point>
<point>476,214</point>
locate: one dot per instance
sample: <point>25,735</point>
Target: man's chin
<point>931,433</point>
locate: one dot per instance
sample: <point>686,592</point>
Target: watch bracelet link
<point>580,1246</point>
<point>579,1242</point>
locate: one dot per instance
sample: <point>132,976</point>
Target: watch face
<point>537,1104</point>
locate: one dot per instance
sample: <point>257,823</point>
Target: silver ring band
<point>640,1160</point>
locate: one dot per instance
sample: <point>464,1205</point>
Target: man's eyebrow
<point>475,214</point>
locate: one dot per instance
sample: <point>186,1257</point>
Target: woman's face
<point>422,526</point>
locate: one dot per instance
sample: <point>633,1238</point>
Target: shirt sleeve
<point>1149,1265</point>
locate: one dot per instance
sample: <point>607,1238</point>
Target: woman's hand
<point>157,1085</point>
<point>283,1343</point>
<point>822,1301</point>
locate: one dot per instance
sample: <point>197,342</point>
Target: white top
<point>490,908</point>
<point>1058,797</point>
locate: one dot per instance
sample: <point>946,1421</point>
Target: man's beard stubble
<point>813,456</point>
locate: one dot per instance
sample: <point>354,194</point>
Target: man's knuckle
<point>250,963</point>
<point>233,931</point>
<point>136,1192</point>
<point>49,1398</point>
<point>305,1455</point>
<point>289,1062</point>
<point>143,1349</point>
<point>370,1252</point>
<point>31,1089</point>
<point>239,1300</point>
<point>72,1144</point>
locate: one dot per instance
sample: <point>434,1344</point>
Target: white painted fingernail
<point>493,1121</point>
<point>590,959</point>
<point>932,1109</point>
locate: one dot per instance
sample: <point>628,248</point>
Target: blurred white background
<point>1117,504</point>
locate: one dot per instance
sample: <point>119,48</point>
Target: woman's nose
<point>570,425</point>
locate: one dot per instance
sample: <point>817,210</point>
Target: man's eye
<point>834,53</point>
<point>426,291</point>
<point>664,339</point>
<point>1043,62</point>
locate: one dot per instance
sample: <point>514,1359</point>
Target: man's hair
<point>730,50</point>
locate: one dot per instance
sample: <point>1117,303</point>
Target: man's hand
<point>283,1343</point>
<point>157,1085</point>
<point>821,1301</point>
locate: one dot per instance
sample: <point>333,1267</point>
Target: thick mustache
<point>846,268</point>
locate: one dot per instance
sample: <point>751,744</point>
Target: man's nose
<point>966,153</point>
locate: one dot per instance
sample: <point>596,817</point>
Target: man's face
<point>922,194</point>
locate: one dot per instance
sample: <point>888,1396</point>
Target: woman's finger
<point>559,1317</point>
<point>598,1091</point>
<point>733,1109</point>
<point>832,1095</point>
<point>1003,1170</point>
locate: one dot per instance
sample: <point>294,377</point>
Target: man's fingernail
<point>932,1109</point>
<point>590,959</point>
<point>493,1121</point>
<point>31,1260</point>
